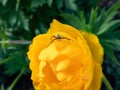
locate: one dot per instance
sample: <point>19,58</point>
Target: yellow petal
<point>49,75</point>
<point>56,26</point>
<point>94,45</point>
<point>97,77</point>
<point>40,86</point>
<point>67,60</point>
<point>39,43</point>
<point>97,54</point>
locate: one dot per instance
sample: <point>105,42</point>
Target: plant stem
<point>107,83</point>
<point>24,42</point>
<point>16,79</point>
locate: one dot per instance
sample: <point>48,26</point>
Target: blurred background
<point>24,19</point>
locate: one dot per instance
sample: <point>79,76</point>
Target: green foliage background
<point>24,19</point>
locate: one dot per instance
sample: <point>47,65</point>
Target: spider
<point>58,37</point>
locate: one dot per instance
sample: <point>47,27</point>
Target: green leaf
<point>111,54</point>
<point>59,4</point>
<point>109,51</point>
<point>107,27</point>
<point>24,21</point>
<point>114,43</point>
<point>12,18</point>
<point>18,60</point>
<point>93,17</point>
<point>42,28</point>
<point>49,2</point>
<point>112,11</point>
<point>37,3</point>
<point>4,2</point>
<point>7,59</point>
<point>116,34</point>
<point>17,5</point>
<point>70,4</point>
<point>83,24</point>
<point>98,22</point>
<point>110,16</point>
<point>104,18</point>
<point>2,87</point>
<point>72,20</point>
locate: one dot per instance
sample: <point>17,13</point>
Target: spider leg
<point>52,37</point>
<point>65,38</point>
<point>52,41</point>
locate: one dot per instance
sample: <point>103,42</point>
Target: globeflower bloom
<point>65,59</point>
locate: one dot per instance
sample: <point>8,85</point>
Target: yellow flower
<point>65,59</point>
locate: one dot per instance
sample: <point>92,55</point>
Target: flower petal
<point>94,45</point>
<point>97,77</point>
<point>56,26</point>
<point>39,43</point>
<point>65,59</point>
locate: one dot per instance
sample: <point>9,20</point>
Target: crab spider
<point>58,37</point>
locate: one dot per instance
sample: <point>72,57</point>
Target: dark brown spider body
<point>57,37</point>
